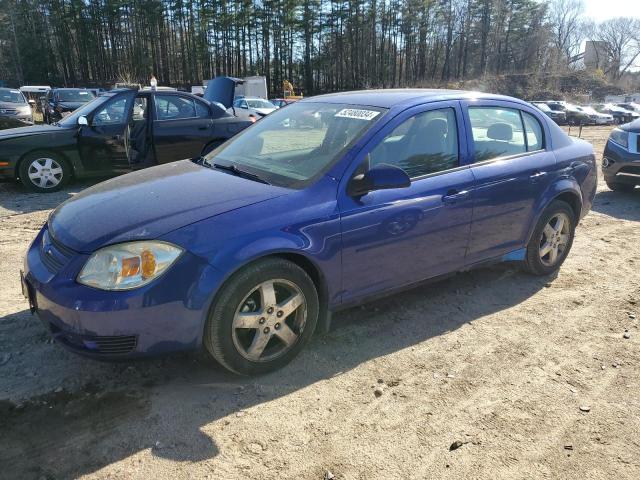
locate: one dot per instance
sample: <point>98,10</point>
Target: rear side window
<point>174,107</point>
<point>202,111</point>
<point>497,132</point>
<point>423,144</point>
<point>533,129</point>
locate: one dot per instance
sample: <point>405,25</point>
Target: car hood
<point>150,203</point>
<point>264,111</point>
<point>13,105</point>
<point>32,130</point>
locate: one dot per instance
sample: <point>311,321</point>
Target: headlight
<point>128,265</point>
<point>619,136</point>
<point>25,110</point>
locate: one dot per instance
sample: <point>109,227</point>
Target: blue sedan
<point>249,249</point>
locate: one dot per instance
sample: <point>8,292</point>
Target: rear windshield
<point>260,104</point>
<point>75,96</point>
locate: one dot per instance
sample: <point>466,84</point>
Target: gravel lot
<point>527,377</point>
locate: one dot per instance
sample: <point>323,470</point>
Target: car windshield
<point>72,120</point>
<point>260,104</point>
<point>11,96</point>
<point>543,106</point>
<point>293,146</point>
<point>75,96</point>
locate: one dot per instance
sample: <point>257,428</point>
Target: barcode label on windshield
<point>357,114</point>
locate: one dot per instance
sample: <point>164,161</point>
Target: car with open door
<point>247,251</point>
<point>120,131</point>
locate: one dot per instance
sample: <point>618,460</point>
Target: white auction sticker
<point>357,113</point>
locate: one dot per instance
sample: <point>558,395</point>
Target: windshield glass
<point>11,96</point>
<point>543,106</point>
<point>75,96</point>
<point>294,145</point>
<point>84,110</point>
<point>260,104</point>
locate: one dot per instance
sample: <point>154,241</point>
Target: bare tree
<point>621,41</point>
<point>567,29</point>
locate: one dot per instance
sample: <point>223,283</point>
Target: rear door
<point>182,126</point>
<point>512,168</point>
<point>104,143</point>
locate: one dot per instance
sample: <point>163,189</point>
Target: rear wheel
<point>621,187</point>
<point>263,316</point>
<point>44,172</point>
<point>551,240</point>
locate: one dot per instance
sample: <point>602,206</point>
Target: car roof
<point>388,98</point>
<point>68,89</point>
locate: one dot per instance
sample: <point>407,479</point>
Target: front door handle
<point>537,176</point>
<point>454,196</point>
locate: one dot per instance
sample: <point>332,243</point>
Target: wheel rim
<point>555,239</point>
<point>45,172</point>
<point>269,320</point>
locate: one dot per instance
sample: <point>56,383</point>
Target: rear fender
<point>568,189</point>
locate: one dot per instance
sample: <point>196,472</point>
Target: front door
<point>400,236</point>
<point>182,127</point>
<point>104,143</point>
<point>512,168</point>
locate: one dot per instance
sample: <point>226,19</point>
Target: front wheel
<point>262,317</point>
<point>551,239</point>
<point>44,172</point>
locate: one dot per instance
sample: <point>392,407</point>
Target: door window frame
<point>195,109</point>
<point>382,133</point>
<point>521,107</point>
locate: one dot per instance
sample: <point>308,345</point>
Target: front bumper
<point>167,315</point>
<point>620,165</point>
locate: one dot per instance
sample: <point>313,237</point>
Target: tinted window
<point>534,132</point>
<point>174,107</point>
<point>497,132</point>
<point>202,111</point>
<point>115,112</point>
<point>75,96</point>
<point>11,96</point>
<point>423,144</point>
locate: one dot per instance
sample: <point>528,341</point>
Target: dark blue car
<point>248,250</point>
<point>621,159</point>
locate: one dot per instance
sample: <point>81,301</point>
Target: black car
<point>60,102</point>
<point>122,130</point>
<point>557,116</point>
<point>621,159</point>
<point>573,114</point>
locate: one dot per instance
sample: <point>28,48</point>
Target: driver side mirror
<point>83,120</point>
<point>380,177</point>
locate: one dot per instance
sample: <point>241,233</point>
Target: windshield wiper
<point>241,173</point>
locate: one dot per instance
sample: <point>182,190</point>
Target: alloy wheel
<point>45,172</point>
<point>269,321</point>
<point>555,238</point>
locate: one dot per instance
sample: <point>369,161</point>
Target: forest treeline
<point>318,45</point>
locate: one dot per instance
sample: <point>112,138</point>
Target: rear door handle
<point>454,196</point>
<point>537,176</point>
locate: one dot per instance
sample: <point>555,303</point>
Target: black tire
<point>220,337</point>
<point>621,187</point>
<point>52,183</point>
<point>534,263</point>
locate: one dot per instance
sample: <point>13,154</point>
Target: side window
<point>202,111</point>
<point>423,144</point>
<point>113,113</point>
<point>533,129</point>
<point>497,132</point>
<point>174,107</point>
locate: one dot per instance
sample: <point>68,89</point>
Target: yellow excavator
<point>289,91</point>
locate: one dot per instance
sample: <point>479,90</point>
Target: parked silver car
<point>14,105</point>
<point>254,108</point>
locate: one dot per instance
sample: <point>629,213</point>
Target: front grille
<point>107,345</point>
<point>114,345</point>
<point>632,169</point>
<point>8,111</point>
<point>54,255</point>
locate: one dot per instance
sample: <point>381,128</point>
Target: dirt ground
<point>499,364</point>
